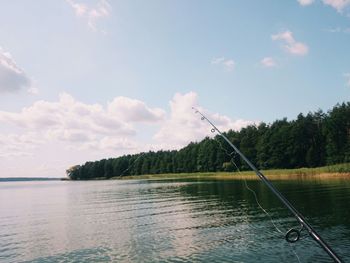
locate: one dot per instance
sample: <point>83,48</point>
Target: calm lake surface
<point>186,220</point>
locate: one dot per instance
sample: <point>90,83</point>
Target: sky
<point>83,80</point>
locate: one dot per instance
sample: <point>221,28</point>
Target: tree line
<point>314,140</point>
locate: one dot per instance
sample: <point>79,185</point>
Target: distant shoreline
<point>23,179</point>
<point>331,171</point>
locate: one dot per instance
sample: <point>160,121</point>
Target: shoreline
<point>271,175</point>
<point>340,171</point>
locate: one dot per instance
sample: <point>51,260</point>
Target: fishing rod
<point>293,234</point>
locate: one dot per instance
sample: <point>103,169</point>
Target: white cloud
<point>339,5</point>
<point>79,8</point>
<point>228,64</point>
<point>102,10</point>
<point>92,15</point>
<point>122,144</point>
<point>184,126</point>
<point>334,30</point>
<point>84,126</point>
<point>268,62</point>
<point>345,30</point>
<point>12,77</point>
<point>14,145</point>
<point>305,2</point>
<point>347,76</point>
<point>68,120</point>
<point>291,45</point>
<point>70,131</point>
<point>134,110</point>
<point>33,91</point>
<point>218,60</point>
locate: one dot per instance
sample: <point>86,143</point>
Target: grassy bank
<point>338,170</point>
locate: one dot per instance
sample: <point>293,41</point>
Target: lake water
<point>176,220</point>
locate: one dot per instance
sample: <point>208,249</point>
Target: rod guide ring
<point>293,235</point>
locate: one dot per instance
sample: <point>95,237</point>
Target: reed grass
<point>342,170</point>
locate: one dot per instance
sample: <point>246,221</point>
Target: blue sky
<point>84,80</point>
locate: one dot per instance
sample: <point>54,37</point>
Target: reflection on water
<point>168,221</point>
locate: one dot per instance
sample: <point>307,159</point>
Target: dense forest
<point>314,140</point>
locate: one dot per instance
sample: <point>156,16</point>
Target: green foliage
<point>315,140</point>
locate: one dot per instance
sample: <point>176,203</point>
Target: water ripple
<point>167,221</point>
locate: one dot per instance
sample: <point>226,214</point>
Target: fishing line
<point>269,215</point>
<point>294,252</point>
<point>279,231</point>
<point>232,158</point>
<point>247,187</point>
<point>132,164</point>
